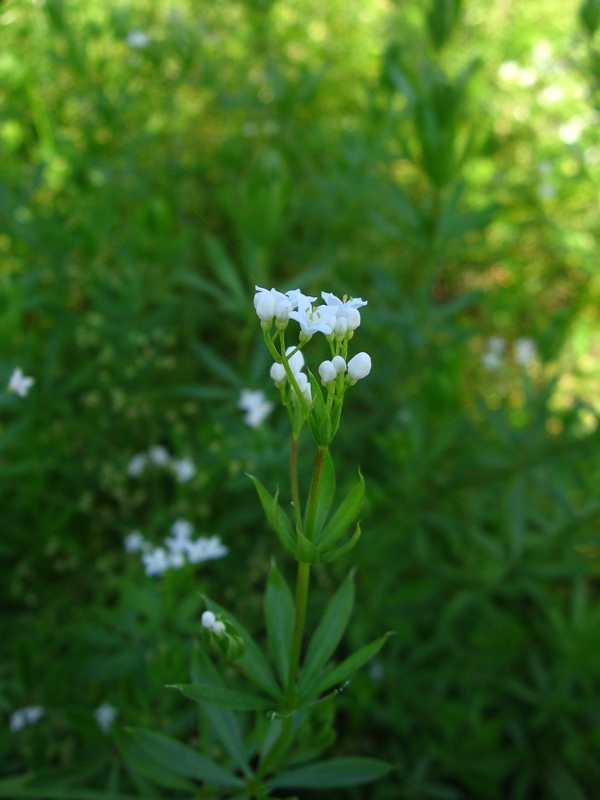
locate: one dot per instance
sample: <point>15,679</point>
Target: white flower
<point>156,561</point>
<point>159,455</point>
<point>25,716</point>
<point>266,302</point>
<point>313,319</point>
<point>208,619</point>
<point>295,296</point>
<point>105,716</point>
<point>304,386</point>
<point>496,344</point>
<point>182,528</point>
<point>134,541</point>
<point>20,384</point>
<point>137,465</point>
<point>137,39</point>
<point>491,360</point>
<point>339,364</point>
<point>184,469</point>
<point>345,309</point>
<point>218,627</point>
<point>256,406</point>
<point>327,371</point>
<point>359,366</point>
<point>525,351</point>
<point>206,550</point>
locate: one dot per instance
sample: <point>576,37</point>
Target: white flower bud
<point>341,327</point>
<point>359,366</point>
<point>277,373</point>
<point>353,318</point>
<point>218,628</point>
<point>327,371</point>
<point>339,364</point>
<point>296,361</point>
<point>208,619</point>
<point>264,303</point>
<point>282,311</point>
<point>302,381</point>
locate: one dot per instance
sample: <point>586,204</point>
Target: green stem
<point>294,482</point>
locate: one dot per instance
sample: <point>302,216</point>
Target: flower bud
<point>353,318</point>
<point>277,373</point>
<point>282,311</point>
<point>341,327</point>
<point>327,371</point>
<point>218,628</point>
<point>359,366</point>
<point>208,619</point>
<point>339,364</point>
<point>296,362</point>
<point>264,303</point>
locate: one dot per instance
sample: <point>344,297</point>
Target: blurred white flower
<point>159,455</point>
<point>182,528</point>
<point>184,469</point>
<point>256,406</point>
<point>137,465</point>
<point>156,561</point>
<point>525,351</point>
<point>138,39</point>
<point>105,716</point>
<point>493,356</point>
<point>134,542</point>
<point>208,619</point>
<point>218,627</point>
<point>23,717</point>
<point>508,70</point>
<point>206,550</point>
<point>19,383</point>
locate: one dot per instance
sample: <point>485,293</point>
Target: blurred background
<point>440,159</point>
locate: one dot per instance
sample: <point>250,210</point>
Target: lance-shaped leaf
<point>305,550</point>
<point>325,494</point>
<point>279,616</point>
<point>330,774</point>
<point>138,759</point>
<point>329,632</point>
<point>344,516</point>
<point>222,720</point>
<point>331,555</point>
<point>169,754</point>
<point>253,662</point>
<point>340,674</point>
<point>276,516</point>
<point>226,698</point>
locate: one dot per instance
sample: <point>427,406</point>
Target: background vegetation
<point>157,160</point>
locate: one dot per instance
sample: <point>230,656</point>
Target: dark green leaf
<point>138,759</point>
<point>325,495</point>
<point>306,552</point>
<point>349,666</point>
<point>329,632</point>
<point>345,515</point>
<point>277,518</point>
<point>279,616</point>
<point>333,773</point>
<point>225,698</point>
<point>331,555</point>
<point>171,755</point>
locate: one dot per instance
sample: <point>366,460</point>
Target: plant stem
<point>294,482</point>
<point>301,599</point>
<point>311,511</point>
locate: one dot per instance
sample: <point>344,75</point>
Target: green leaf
<point>318,418</point>
<point>222,720</point>
<point>306,552</point>
<point>277,518</point>
<point>330,774</point>
<point>170,754</point>
<point>137,757</point>
<point>329,632</point>
<point>348,667</point>
<point>224,269</point>
<point>253,662</point>
<point>331,555</point>
<point>325,495</point>
<point>345,515</point>
<point>279,616</point>
<point>226,698</point>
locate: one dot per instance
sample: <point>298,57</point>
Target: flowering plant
<point>295,687</point>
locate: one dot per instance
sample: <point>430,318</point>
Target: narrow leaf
<point>276,517</point>
<point>305,550</point>
<point>137,758</point>
<point>329,632</point>
<point>333,773</point>
<point>223,268</point>
<point>331,555</point>
<point>253,662</point>
<point>170,754</point>
<point>345,515</point>
<point>226,698</point>
<point>279,617</point>
<point>348,667</point>
<point>319,421</point>
<point>222,720</point>
<point>325,495</point>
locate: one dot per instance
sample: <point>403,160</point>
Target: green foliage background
<point>438,159</point>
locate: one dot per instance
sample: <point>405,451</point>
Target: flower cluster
<point>25,716</point>
<point>212,623</point>
<point>19,383</point>
<point>179,548</point>
<point>256,406</point>
<point>183,468</point>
